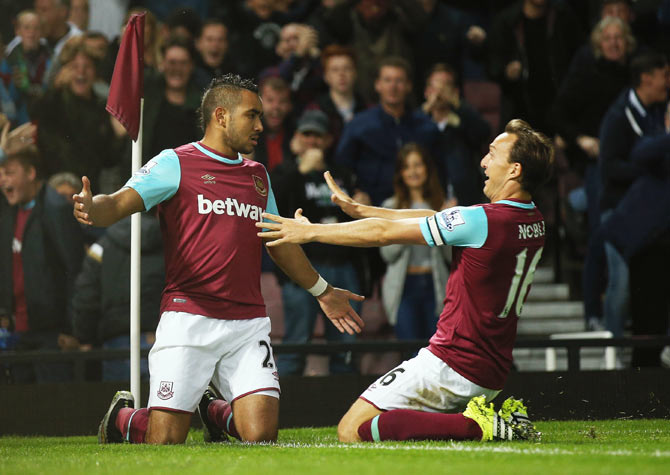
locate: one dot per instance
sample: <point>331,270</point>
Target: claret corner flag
<point>127,86</point>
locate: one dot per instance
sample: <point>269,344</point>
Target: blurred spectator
<point>212,44</point>
<point>531,45</point>
<point>75,132</point>
<point>300,183</point>
<point>10,10</point>
<point>254,30</point>
<point>97,42</point>
<point>79,14</point>
<point>413,288</point>
<point>102,299</point>
<point>41,253</point>
<point>376,134</point>
<point>465,133</point>
<point>301,65</point>
<point>66,184</point>
<point>274,143</point>
<point>340,103</point>
<point>16,140</point>
<point>26,63</point>
<point>448,37</point>
<point>55,28</point>
<point>375,29</point>
<point>595,79</point>
<point>637,112</point>
<point>171,100</point>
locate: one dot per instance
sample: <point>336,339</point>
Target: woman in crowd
<point>413,287</point>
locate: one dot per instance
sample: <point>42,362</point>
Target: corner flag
<point>127,86</point>
<point>125,102</point>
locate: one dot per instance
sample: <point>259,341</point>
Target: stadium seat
<point>485,97</point>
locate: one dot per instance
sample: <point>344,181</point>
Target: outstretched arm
<point>333,301</point>
<point>358,210</point>
<point>104,210</point>
<point>362,233</point>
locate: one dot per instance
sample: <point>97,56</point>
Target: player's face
<point>414,172</point>
<point>613,43</point>
<point>497,166</point>
<point>245,126</point>
<point>17,183</point>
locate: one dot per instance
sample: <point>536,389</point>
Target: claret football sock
<point>132,423</point>
<point>221,413</point>
<point>405,424</point>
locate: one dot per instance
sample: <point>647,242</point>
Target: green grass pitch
<point>589,447</point>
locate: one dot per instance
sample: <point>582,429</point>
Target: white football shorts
<point>192,350</point>
<point>424,383</point>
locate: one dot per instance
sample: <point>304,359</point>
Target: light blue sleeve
<point>271,206</point>
<point>158,180</point>
<point>458,226</point>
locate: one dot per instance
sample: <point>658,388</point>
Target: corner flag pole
<point>126,103</point>
<point>135,268</point>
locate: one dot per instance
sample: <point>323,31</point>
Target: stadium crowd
<point>397,98</point>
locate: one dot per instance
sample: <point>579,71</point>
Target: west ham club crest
<point>165,390</point>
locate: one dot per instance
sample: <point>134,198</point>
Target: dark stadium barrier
<point>76,408</point>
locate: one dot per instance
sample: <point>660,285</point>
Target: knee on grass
<point>258,433</point>
<point>347,431</point>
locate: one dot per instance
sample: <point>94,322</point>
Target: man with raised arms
<point>213,324</point>
<point>497,247</point>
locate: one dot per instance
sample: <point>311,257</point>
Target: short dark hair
<point>533,151</point>
<point>179,42</point>
<point>645,63</point>
<point>395,62</point>
<point>29,157</point>
<point>223,91</point>
<point>211,22</point>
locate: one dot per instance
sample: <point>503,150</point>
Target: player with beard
<point>496,248</point>
<point>214,324</point>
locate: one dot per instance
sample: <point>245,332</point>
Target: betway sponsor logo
<point>229,206</point>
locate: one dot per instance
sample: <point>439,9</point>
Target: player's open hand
<point>83,202</point>
<point>335,305</point>
<point>341,199</point>
<point>285,230</point>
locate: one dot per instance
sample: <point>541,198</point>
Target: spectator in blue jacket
<point>637,112</point>
<point>370,142</point>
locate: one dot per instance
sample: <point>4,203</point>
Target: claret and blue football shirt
<point>497,247</point>
<point>208,206</point>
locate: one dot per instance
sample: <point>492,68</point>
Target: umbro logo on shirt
<point>209,179</point>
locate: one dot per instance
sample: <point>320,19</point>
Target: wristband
<point>318,288</point>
